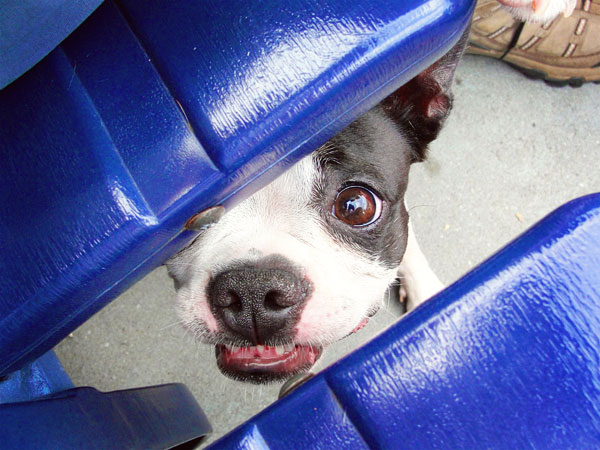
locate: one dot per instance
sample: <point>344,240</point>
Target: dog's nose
<point>257,303</point>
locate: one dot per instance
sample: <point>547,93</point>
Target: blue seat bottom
<point>40,408</point>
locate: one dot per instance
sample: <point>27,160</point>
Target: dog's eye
<point>357,206</point>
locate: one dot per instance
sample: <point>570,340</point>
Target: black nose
<point>258,303</point>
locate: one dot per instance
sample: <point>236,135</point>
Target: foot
<point>563,51</point>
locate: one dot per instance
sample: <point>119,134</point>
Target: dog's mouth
<point>263,363</point>
<point>267,363</point>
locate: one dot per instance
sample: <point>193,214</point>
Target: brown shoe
<point>564,51</point>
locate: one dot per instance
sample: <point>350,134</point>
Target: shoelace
<point>514,40</point>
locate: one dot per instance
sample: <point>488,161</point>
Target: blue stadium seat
<point>40,409</point>
<point>506,357</point>
<point>148,113</point>
<point>31,29</point>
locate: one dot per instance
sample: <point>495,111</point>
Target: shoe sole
<point>535,74</point>
<point>531,72</point>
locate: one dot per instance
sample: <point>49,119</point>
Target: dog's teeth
<point>260,348</point>
<point>235,348</point>
<point>279,349</point>
<point>288,347</point>
<point>228,347</point>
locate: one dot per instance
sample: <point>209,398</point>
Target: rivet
<point>294,382</point>
<point>204,219</point>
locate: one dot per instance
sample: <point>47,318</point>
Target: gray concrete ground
<point>513,150</point>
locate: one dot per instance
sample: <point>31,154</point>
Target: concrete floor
<point>513,150</point>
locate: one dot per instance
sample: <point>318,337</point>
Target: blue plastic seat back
<point>30,29</point>
<point>506,357</point>
<point>152,111</point>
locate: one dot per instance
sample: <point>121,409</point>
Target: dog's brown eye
<point>357,206</point>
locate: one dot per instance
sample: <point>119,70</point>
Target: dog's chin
<point>265,364</point>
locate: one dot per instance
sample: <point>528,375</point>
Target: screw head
<point>204,219</point>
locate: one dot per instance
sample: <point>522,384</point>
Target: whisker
<point>171,325</point>
<point>420,206</point>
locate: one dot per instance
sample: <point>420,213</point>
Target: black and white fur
<point>289,226</point>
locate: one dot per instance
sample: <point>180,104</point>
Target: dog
<point>306,260</point>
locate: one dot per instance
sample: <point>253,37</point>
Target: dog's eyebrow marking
<point>330,155</point>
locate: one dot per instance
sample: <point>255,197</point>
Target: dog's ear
<point>421,106</point>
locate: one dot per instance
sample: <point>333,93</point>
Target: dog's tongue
<point>361,325</point>
<point>267,359</point>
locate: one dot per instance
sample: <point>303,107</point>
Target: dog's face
<point>306,260</point>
